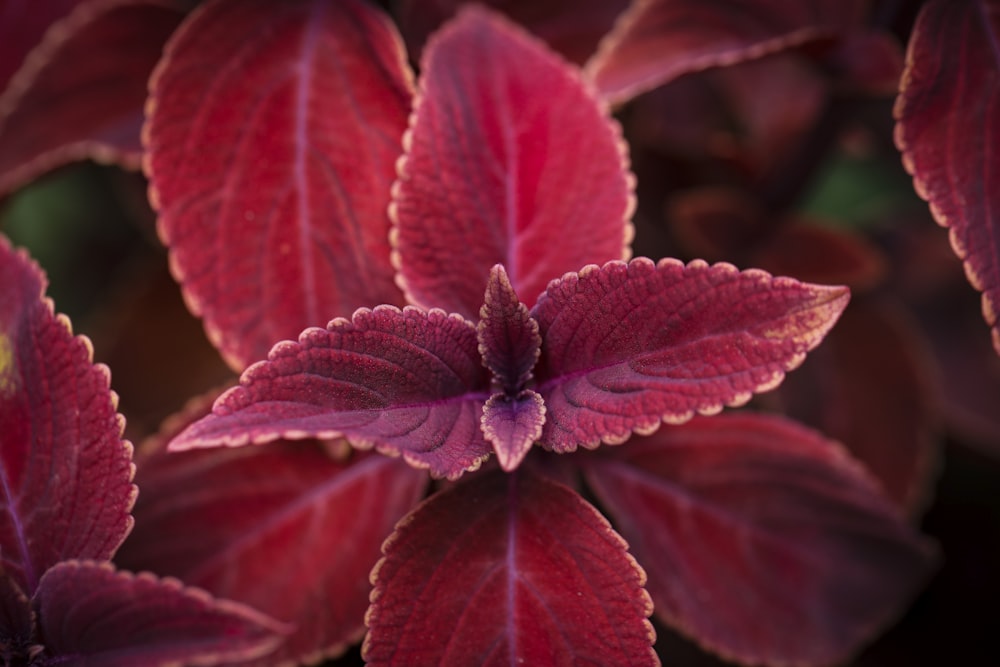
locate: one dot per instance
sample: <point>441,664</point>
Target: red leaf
<point>82,92</point>
<point>507,569</point>
<point>751,525</point>
<point>272,142</point>
<point>502,128</point>
<point>656,41</point>
<point>508,335</point>
<point>946,120</point>
<point>283,528</point>
<point>571,27</point>
<point>89,614</point>
<point>513,423</point>
<point>65,472</point>
<point>406,382</point>
<point>22,26</point>
<point>628,346</point>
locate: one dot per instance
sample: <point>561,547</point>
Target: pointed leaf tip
<point>508,335</point>
<point>513,424</point>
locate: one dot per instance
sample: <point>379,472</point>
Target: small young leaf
<point>946,121</point>
<point>513,424</point>
<point>502,128</point>
<point>407,382</point>
<point>508,336</point>
<point>272,140</point>
<point>628,346</point>
<point>656,41</point>
<point>89,614</point>
<point>507,569</point>
<point>81,94</point>
<point>762,540</point>
<point>65,472</point>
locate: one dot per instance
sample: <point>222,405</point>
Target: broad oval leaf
<point>510,160</point>
<point>750,526</point>
<point>272,139</point>
<point>656,41</point>
<point>283,528</point>
<point>81,94</point>
<point>65,473</point>
<point>946,119</point>
<point>507,569</point>
<point>405,381</point>
<point>628,346</point>
<point>89,614</point>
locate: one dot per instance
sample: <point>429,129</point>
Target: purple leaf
<point>656,41</point>
<point>272,140</point>
<point>628,346</point>
<point>534,575</point>
<point>946,124</point>
<point>407,382</point>
<point>512,423</point>
<point>508,335</point>
<point>502,128</point>
<point>65,472</point>
<point>750,525</point>
<point>91,615</point>
<point>81,94</point>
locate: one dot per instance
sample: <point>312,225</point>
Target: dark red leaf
<point>869,387</point>
<point>89,614</point>
<point>283,528</point>
<point>502,128</point>
<point>508,336</point>
<point>571,27</point>
<point>407,382</point>
<point>65,472</point>
<point>628,346</point>
<point>946,122</point>
<point>507,569</point>
<point>869,61</point>
<point>512,423</point>
<point>272,141</point>
<point>763,541</point>
<point>22,26</point>
<point>16,619</point>
<point>81,94</point>
<point>656,41</point>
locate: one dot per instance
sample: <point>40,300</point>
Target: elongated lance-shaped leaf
<point>749,525</point>
<point>656,41</point>
<point>407,382</point>
<point>510,160</point>
<point>508,335</point>
<point>286,528</point>
<point>81,93</point>
<point>272,137</point>
<point>65,472</point>
<point>628,346</point>
<point>534,575</point>
<point>89,614</point>
<point>947,127</point>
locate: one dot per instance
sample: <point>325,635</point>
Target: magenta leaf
<point>272,141</point>
<point>65,472</point>
<point>22,26</point>
<point>535,576</point>
<point>946,119</point>
<point>628,346</point>
<point>89,614</point>
<point>283,528</point>
<point>405,381</point>
<point>508,335</point>
<point>512,423</point>
<point>656,41</point>
<point>571,27</point>
<point>502,128</point>
<point>81,94</point>
<point>750,525</point>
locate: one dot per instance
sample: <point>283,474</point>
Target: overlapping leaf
<point>283,528</point>
<point>82,92</point>
<point>656,41</point>
<point>65,472</point>
<point>407,382</point>
<point>22,26</point>
<point>272,139</point>
<point>627,346</point>
<point>947,121</point>
<point>534,575</point>
<point>91,615</point>
<point>502,132</point>
<point>750,526</point>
